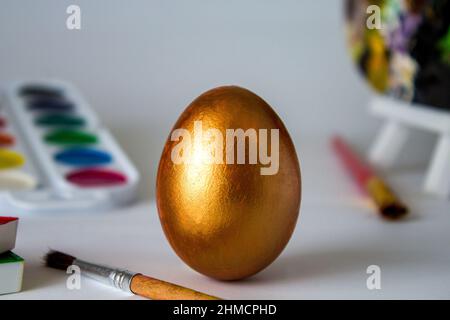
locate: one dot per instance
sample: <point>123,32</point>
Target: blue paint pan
<point>81,157</point>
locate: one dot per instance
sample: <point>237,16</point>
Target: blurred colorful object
<point>409,56</point>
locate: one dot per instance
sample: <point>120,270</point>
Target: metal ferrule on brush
<point>118,278</point>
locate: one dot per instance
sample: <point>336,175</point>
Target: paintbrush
<point>388,204</point>
<point>125,280</point>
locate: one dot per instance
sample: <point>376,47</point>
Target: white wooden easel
<point>402,117</point>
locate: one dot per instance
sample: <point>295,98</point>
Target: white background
<point>140,63</point>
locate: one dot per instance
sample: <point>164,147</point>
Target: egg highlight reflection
<point>228,184</point>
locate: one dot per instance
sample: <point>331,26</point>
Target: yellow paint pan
<point>10,159</point>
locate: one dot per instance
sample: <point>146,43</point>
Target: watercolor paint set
<point>55,154</point>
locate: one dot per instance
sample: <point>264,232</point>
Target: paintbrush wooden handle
<point>160,290</point>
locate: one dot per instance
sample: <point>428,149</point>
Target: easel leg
<point>438,177</point>
<point>388,144</point>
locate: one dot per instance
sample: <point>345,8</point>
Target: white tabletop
<point>338,236</point>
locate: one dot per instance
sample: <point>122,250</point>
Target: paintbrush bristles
<point>58,260</point>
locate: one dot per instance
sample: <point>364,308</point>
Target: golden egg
<point>228,185</point>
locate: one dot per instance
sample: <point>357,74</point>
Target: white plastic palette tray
<point>52,190</point>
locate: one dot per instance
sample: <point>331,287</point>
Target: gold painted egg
<point>228,184</point>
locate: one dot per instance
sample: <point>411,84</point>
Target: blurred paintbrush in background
<point>384,198</point>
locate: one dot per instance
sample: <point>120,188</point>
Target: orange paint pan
<point>6,139</point>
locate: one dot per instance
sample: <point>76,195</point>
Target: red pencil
<point>386,201</point>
